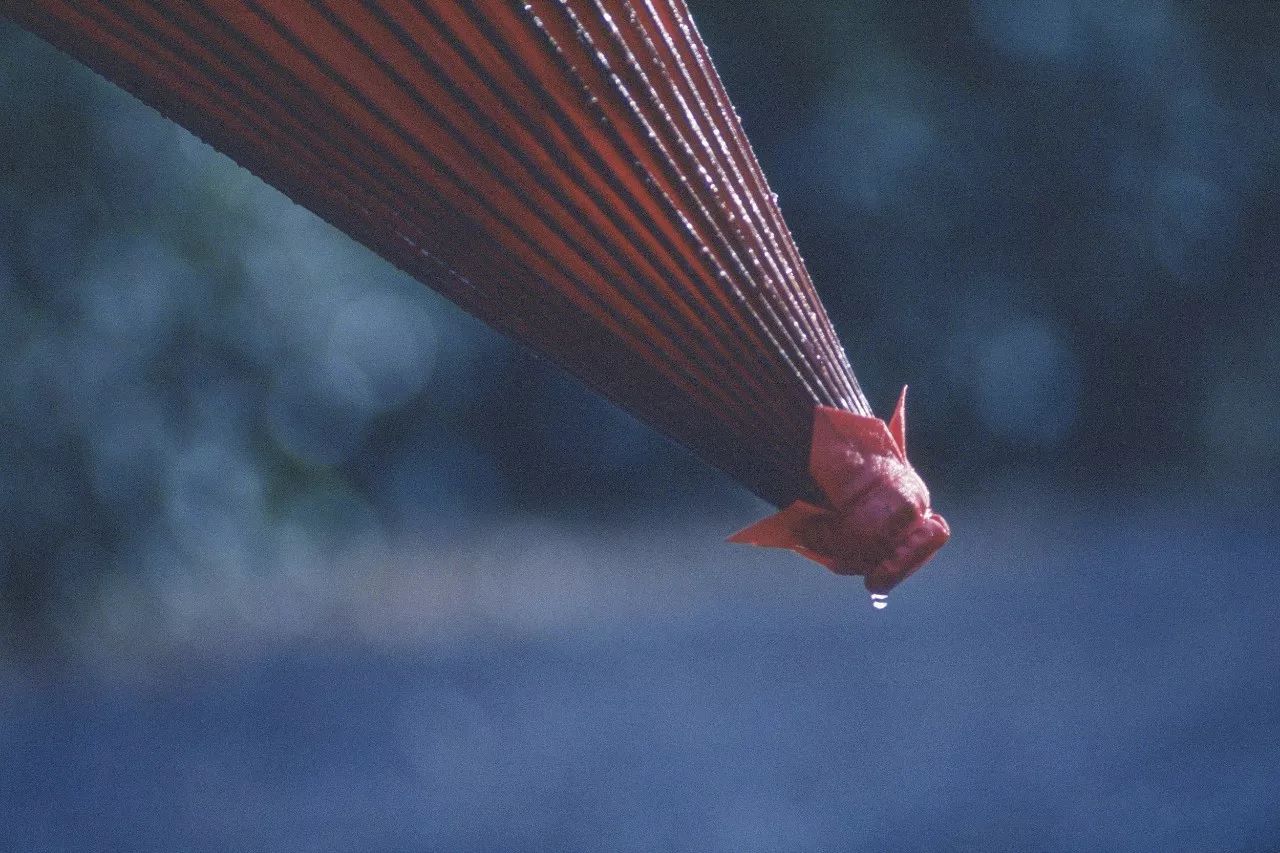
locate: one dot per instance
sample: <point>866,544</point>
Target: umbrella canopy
<point>569,171</point>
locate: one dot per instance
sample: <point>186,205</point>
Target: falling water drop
<point>879,600</point>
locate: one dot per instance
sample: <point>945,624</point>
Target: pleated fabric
<point>569,171</point>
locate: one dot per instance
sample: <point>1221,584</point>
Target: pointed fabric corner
<point>786,528</point>
<point>898,423</point>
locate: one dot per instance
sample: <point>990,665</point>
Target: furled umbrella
<point>572,173</point>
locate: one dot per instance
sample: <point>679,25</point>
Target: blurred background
<point>294,555</point>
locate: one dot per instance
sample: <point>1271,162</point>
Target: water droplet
<point>879,600</point>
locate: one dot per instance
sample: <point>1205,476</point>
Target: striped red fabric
<point>569,171</point>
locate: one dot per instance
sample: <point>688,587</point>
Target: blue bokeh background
<point>296,556</point>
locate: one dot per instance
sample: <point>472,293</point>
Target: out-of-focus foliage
<point>1055,219</point>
